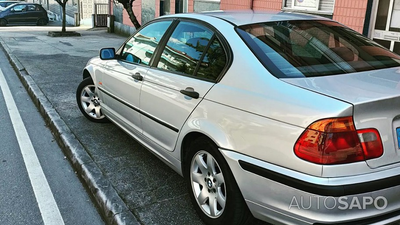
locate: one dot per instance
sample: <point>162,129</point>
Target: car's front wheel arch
<point>3,22</point>
<point>86,74</point>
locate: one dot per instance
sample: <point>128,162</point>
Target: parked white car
<point>52,16</point>
<point>290,118</point>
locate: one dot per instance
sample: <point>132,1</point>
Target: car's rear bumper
<point>279,195</point>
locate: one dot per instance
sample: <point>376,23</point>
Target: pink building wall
<point>348,12</point>
<point>267,5</point>
<point>137,9</point>
<point>157,12</point>
<point>351,13</point>
<point>190,6</point>
<point>235,4</point>
<point>246,4</point>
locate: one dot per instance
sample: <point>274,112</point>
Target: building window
<point>305,4</point>
<point>395,23</point>
<point>324,7</point>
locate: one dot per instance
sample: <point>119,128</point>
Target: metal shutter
<point>288,3</point>
<point>326,5</point>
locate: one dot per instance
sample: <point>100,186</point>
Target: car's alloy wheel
<point>41,22</point>
<point>208,184</point>
<point>89,102</point>
<point>3,22</point>
<point>213,189</point>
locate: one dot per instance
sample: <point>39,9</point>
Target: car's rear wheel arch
<point>233,209</point>
<point>41,22</point>
<point>186,142</point>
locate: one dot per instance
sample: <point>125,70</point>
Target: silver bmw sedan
<point>288,118</point>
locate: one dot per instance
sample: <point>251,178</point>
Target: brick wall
<point>172,7</point>
<point>246,4</point>
<point>190,5</point>
<point>351,13</point>
<point>157,8</point>
<point>267,5</point>
<point>235,4</point>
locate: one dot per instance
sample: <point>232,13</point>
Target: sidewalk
<point>130,185</point>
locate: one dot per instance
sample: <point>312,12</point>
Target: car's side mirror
<point>107,53</point>
<point>132,58</point>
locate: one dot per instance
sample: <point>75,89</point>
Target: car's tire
<point>3,22</point>
<point>41,22</point>
<point>208,175</point>
<point>89,102</point>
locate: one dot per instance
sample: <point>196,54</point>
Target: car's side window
<point>213,63</point>
<point>140,48</point>
<point>31,8</point>
<point>185,48</point>
<point>19,8</point>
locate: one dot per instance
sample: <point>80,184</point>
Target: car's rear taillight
<point>336,141</point>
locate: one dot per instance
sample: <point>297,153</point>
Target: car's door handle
<point>137,76</point>
<point>189,91</point>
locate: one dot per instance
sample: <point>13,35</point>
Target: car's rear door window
<point>193,50</point>
<point>213,63</point>
<point>314,48</point>
<point>185,48</point>
<point>140,48</point>
<point>32,8</point>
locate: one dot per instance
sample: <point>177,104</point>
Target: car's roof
<point>27,3</point>
<point>242,17</point>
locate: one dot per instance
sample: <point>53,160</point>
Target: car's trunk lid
<point>375,96</point>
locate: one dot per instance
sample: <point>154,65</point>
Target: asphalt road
<point>27,197</point>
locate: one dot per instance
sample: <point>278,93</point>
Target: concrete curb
<point>110,203</point>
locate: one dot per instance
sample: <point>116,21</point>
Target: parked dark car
<point>23,13</point>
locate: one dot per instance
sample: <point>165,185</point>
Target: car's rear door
<point>182,74</point>
<point>33,13</point>
<point>120,80</point>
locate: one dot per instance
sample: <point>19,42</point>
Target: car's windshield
<point>314,48</point>
<point>10,6</point>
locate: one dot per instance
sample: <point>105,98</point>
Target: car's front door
<point>17,14</point>
<point>120,80</point>
<point>180,77</point>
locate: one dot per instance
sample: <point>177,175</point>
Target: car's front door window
<point>19,8</point>
<point>140,48</point>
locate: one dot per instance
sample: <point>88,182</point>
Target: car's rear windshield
<point>314,48</point>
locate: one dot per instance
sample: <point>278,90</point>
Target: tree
<point>128,6</point>
<point>63,4</point>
